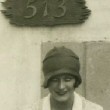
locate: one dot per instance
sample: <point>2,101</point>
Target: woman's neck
<point>66,105</point>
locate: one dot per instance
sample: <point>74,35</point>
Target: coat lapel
<point>46,103</point>
<point>77,102</point>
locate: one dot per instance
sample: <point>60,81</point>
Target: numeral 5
<point>33,8</point>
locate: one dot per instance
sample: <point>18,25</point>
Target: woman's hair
<point>78,80</point>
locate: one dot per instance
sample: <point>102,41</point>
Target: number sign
<point>46,12</point>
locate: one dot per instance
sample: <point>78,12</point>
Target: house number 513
<point>34,9</point>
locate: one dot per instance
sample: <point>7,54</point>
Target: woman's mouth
<point>61,93</point>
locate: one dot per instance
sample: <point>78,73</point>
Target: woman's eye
<point>54,79</point>
<point>68,79</point>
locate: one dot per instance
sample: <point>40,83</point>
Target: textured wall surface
<point>98,73</point>
<point>20,53</point>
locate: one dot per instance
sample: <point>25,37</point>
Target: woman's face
<point>61,87</point>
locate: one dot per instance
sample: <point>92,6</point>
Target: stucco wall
<point>20,52</point>
<point>98,73</point>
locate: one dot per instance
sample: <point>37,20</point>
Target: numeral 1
<point>45,11</point>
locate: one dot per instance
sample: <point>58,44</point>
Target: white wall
<point>20,54</point>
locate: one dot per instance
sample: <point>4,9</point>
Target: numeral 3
<point>63,7</point>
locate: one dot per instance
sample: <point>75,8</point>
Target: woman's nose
<point>61,84</point>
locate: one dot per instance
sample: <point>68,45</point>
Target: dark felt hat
<point>60,60</point>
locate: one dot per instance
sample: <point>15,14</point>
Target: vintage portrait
<point>65,76</point>
<point>54,55</point>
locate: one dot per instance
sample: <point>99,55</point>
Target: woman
<point>61,71</point>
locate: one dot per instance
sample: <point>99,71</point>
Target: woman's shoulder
<point>46,102</point>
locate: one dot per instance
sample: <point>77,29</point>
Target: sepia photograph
<point>54,55</point>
